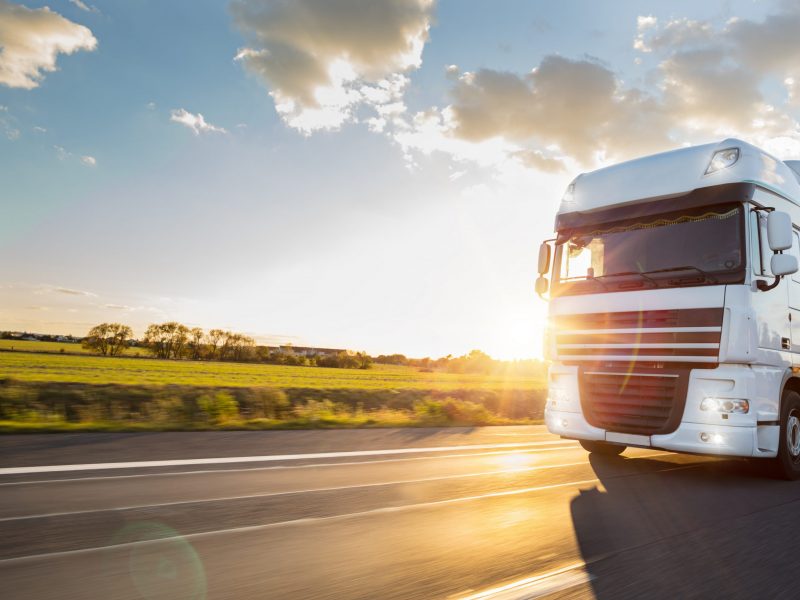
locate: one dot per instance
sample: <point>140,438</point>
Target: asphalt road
<point>502,513</point>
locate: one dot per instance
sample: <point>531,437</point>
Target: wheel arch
<point>790,382</point>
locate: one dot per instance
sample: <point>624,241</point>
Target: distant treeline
<point>174,340</point>
<point>474,362</point>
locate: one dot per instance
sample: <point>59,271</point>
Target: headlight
<point>725,405</point>
<point>722,159</point>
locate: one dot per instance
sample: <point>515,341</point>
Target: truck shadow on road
<point>696,528</point>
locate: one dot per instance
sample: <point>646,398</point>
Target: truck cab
<point>674,306</point>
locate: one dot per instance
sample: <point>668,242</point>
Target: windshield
<point>696,247</point>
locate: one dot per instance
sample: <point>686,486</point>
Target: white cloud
<point>716,79</point>
<point>83,6</point>
<point>195,122</point>
<point>32,39</point>
<point>323,59</point>
<point>38,129</point>
<point>642,25</point>
<point>61,152</point>
<point>85,159</point>
<point>151,106</point>
<point>562,109</point>
<point>676,33</point>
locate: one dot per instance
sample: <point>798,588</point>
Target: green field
<point>58,347</point>
<point>26,366</point>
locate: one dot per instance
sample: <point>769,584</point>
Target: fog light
<point>725,405</point>
<point>711,438</point>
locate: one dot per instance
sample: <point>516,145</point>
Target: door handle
<point>786,343</point>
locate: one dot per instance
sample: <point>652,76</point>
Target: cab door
<point>794,303</point>
<point>773,308</point>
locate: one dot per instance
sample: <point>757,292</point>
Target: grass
<point>103,370</point>
<point>58,347</point>
<point>50,391</point>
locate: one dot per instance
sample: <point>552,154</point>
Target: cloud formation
<point>195,122</point>
<point>563,109</point>
<point>323,59</point>
<point>707,81</point>
<point>32,39</point>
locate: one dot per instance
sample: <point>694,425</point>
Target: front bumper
<point>722,439</point>
<point>752,434</point>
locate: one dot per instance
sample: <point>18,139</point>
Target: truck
<point>674,306</point>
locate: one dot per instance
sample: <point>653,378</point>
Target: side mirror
<point>542,285</point>
<point>779,232</point>
<point>783,264</point>
<point>544,258</point>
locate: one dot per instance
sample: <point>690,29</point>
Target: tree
<point>166,340</point>
<point>108,339</point>
<point>236,347</point>
<point>392,359</point>
<point>215,336</point>
<point>195,342</point>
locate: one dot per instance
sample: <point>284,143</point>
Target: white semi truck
<point>674,306</point>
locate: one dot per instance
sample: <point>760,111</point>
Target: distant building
<point>309,351</point>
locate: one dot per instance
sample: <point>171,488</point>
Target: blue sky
<point>417,234</point>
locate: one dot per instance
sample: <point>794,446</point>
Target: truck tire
<point>602,448</point>
<point>787,464</point>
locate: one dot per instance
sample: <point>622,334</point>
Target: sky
<point>374,175</point>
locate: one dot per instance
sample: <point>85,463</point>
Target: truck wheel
<point>787,463</point>
<point>602,448</point>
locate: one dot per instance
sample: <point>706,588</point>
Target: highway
<point>494,512</point>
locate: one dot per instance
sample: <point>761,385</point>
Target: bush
<point>143,406</point>
<point>451,411</point>
<point>430,412</point>
<point>315,411</point>
<point>265,403</point>
<point>218,407</point>
<point>462,411</point>
<point>169,409</point>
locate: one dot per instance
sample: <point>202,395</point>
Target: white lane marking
<point>511,470</point>
<point>340,517</point>
<point>537,586</point>
<point>291,467</point>
<point>304,491</point>
<point>268,458</point>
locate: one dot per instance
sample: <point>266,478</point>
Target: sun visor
<point>706,196</point>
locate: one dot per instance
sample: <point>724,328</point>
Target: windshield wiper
<point>705,274</point>
<point>627,274</point>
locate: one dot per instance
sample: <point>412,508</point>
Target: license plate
<point>629,439</point>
